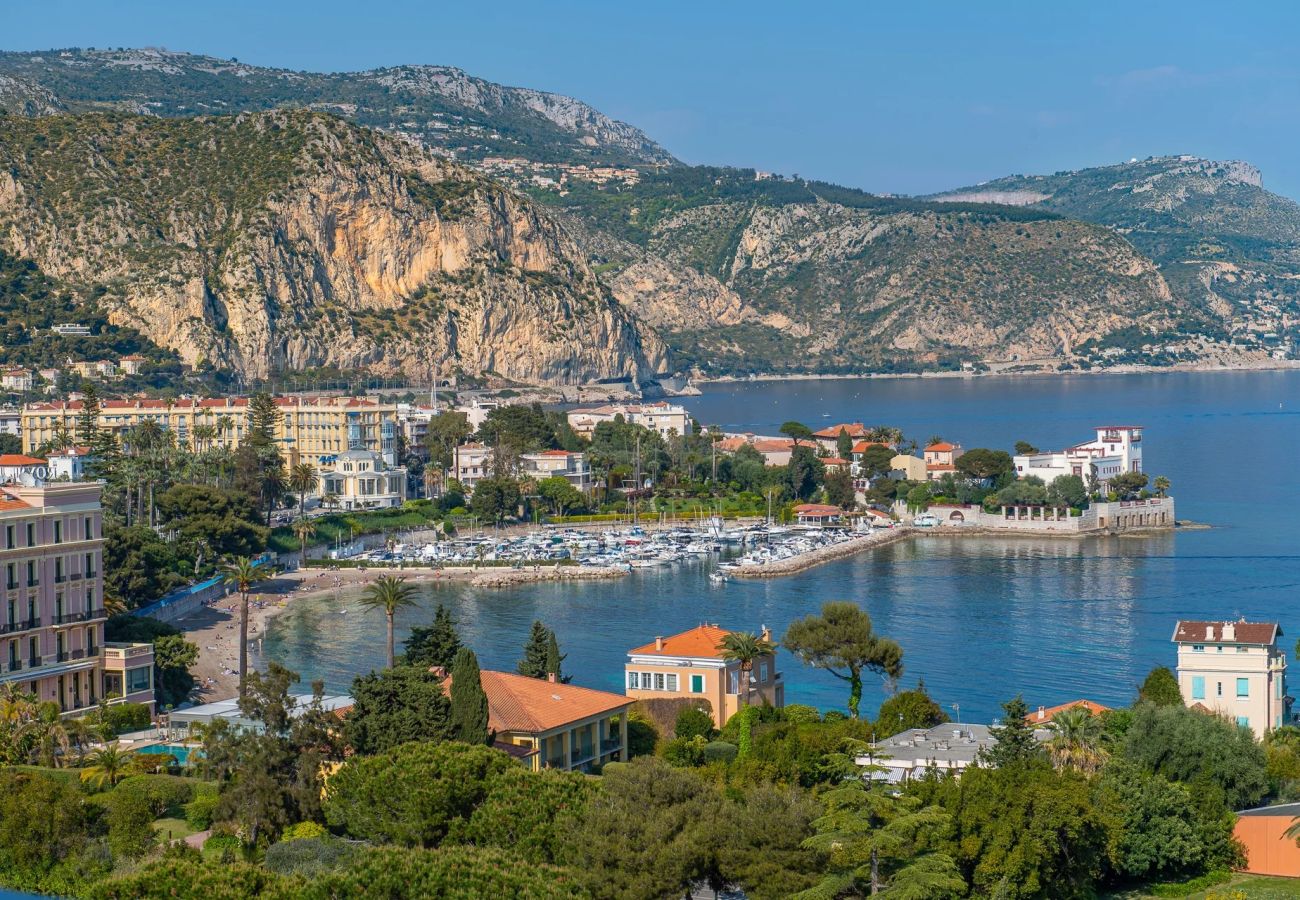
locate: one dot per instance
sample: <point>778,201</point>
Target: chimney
<point>767,633</point>
<point>1229,631</point>
<point>550,676</point>
<point>1042,711</point>
<point>1209,632</point>
<point>659,644</point>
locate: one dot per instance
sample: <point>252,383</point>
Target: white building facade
<point>360,479</point>
<point>572,467</point>
<point>665,418</point>
<point>1116,449</point>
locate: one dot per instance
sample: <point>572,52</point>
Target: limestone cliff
<point>291,240</point>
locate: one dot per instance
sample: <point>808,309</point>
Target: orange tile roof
<point>533,705</point>
<point>854,429</point>
<point>861,446</point>
<point>817,509</point>
<point>775,445</point>
<point>834,461</point>
<point>17,459</point>
<point>1046,714</point>
<point>941,447</point>
<point>700,642</point>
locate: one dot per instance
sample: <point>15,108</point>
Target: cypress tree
<point>469,705</point>
<point>435,645</point>
<point>1015,738</point>
<point>536,652</point>
<point>554,658</point>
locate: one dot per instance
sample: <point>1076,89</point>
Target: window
<point>1243,722</point>
<point>633,681</point>
<point>697,684</point>
<point>1218,649</point>
<point>1198,687</point>
<point>1243,649</point>
<point>733,682</point>
<point>10,537</point>
<point>31,534</point>
<point>1218,689</point>
<point>1243,687</point>
<point>137,679</point>
<point>672,681</point>
<point>762,673</point>
<point>1198,648</point>
<point>58,531</point>
<point>89,532</point>
<point>659,681</point>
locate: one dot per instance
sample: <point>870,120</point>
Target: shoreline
<point>1261,366</point>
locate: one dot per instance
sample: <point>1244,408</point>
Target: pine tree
<point>435,645</point>
<point>469,704</point>
<point>533,663</point>
<point>1015,738</point>
<point>263,419</point>
<point>555,659</point>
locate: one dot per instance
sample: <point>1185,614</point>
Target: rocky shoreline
<point>508,577</point>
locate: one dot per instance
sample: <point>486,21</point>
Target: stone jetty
<point>502,577</point>
<point>821,555</point>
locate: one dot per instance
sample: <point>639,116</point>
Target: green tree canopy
<point>841,641</point>
<point>394,707</point>
<point>1161,688</point>
<point>469,704</point>
<point>411,795</point>
<point>1014,736</point>
<point>906,710</point>
<point>433,645</point>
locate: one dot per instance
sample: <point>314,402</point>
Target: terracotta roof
<point>854,429</point>
<point>817,509</point>
<point>941,467</point>
<point>1046,714</point>
<point>877,513</point>
<point>941,447</point>
<point>1212,632</point>
<point>557,453</point>
<point>17,459</point>
<point>773,445</point>
<point>861,446</point>
<point>700,642</point>
<point>532,705</point>
<point>834,461</point>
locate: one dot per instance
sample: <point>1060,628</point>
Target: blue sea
<point>979,619</point>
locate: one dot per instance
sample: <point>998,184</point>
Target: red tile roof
<point>773,445</point>
<point>854,429</point>
<point>941,447</point>
<point>1212,632</point>
<point>532,705</point>
<point>834,461</point>
<point>18,459</point>
<point>861,446</point>
<point>1046,714</point>
<point>700,642</point>
<point>817,509</point>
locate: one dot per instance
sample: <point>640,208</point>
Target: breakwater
<point>802,561</point>
<point>526,575</point>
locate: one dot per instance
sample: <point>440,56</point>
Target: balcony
<point>609,745</point>
<point>23,625</point>
<point>60,579</point>
<point>11,585</point>
<point>555,762</point>
<point>75,576</point>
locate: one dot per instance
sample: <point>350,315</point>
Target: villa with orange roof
<point>550,725</point>
<point>940,459</point>
<point>690,666</point>
<point>19,380</point>
<point>1045,714</point>
<point>829,437</point>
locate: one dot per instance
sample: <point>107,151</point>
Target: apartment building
<point>311,429</point>
<point>52,617</point>
<point>690,665</point>
<point>572,467</point>
<point>665,418</point>
<point>1234,669</point>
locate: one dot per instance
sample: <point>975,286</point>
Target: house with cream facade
<point>52,601</point>
<point>1234,669</point>
<point>691,666</point>
<point>360,479</point>
<point>665,418</point>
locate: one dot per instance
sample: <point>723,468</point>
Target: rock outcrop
<point>294,240</point>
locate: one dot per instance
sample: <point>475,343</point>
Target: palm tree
<point>302,478</point>
<point>390,594</point>
<point>1161,485</point>
<point>303,530</point>
<point>745,647</point>
<point>52,740</point>
<point>1077,742</point>
<point>105,766</point>
<point>243,573</point>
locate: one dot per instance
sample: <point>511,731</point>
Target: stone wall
<point>1125,515</point>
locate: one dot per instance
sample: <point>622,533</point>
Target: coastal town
<point>493,493</point>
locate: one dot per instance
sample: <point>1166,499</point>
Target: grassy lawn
<point>171,829</point>
<point>1241,887</point>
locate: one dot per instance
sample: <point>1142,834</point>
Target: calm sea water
<point>979,619</point>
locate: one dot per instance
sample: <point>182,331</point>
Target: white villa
<point>360,479</point>
<point>1116,449</point>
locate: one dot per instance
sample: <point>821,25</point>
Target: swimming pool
<point>179,751</point>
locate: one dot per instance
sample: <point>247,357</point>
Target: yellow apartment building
<point>311,429</point>
<point>690,666</point>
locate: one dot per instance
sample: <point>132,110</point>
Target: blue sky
<point>902,97</point>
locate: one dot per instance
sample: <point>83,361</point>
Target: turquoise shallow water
<point>979,619</point>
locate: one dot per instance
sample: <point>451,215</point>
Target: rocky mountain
<point>20,97</point>
<point>443,107</point>
<point>803,276</point>
<point>1221,240</point>
<point>287,240</point>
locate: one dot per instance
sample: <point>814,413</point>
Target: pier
<point>798,563</point>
